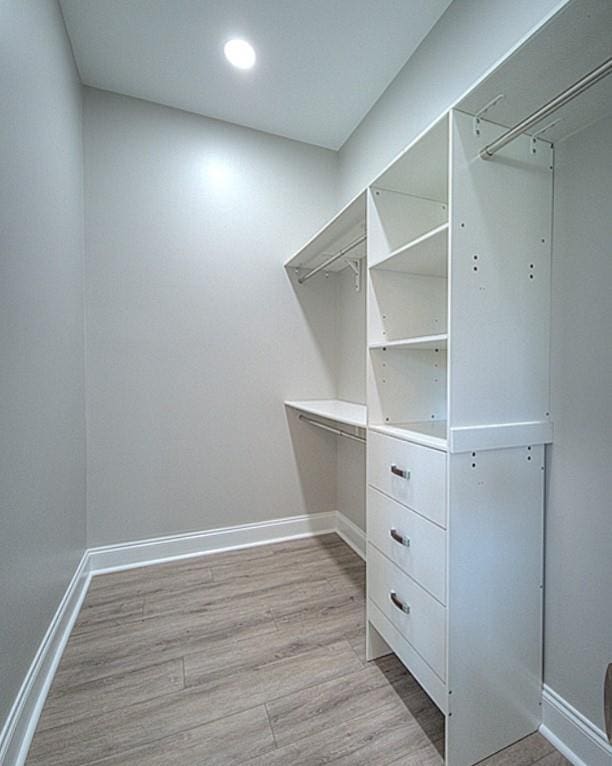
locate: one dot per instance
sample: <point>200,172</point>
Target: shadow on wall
<point>315,454</point>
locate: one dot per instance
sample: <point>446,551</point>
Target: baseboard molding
<point>22,720</point>
<point>579,740</point>
<point>352,535</point>
<point>111,558</point>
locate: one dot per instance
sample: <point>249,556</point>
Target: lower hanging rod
<point>336,431</point>
<point>333,258</point>
<point>556,103</point>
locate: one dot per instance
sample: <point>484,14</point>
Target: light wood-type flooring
<point>243,658</point>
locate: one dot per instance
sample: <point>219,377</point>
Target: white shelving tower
<point>458,414</point>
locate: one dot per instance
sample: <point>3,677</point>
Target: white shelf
<point>426,255</point>
<point>425,343</point>
<point>348,413</point>
<point>344,228</point>
<point>430,433</point>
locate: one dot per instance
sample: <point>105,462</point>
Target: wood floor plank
<point>69,704</point>
<point>291,568</point>
<point>140,723</point>
<point>553,759</point>
<point>379,737</point>
<point>277,678</point>
<point>142,581</point>
<point>225,742</point>
<point>525,752</point>
<point>94,617</point>
<point>319,707</point>
<point>155,640</point>
<point>258,591</point>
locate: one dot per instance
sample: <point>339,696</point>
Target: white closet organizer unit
<point>336,252</point>
<point>459,253</point>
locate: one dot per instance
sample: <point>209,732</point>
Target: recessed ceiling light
<point>239,53</point>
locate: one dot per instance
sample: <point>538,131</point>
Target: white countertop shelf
<point>348,413</point>
<point>424,342</point>
<point>429,433</point>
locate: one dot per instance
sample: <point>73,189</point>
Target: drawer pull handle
<point>400,472</point>
<point>399,538</point>
<point>397,601</point>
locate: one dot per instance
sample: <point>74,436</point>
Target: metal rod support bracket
<point>493,102</point>
<point>542,113</point>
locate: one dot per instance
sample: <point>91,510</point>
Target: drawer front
<point>413,475</point>
<point>424,625</point>
<point>416,545</point>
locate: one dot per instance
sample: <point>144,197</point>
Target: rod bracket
<point>355,266</point>
<point>533,143</point>
<point>493,102</point>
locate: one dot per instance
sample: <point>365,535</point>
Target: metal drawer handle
<point>400,472</point>
<point>399,538</point>
<point>397,601</point>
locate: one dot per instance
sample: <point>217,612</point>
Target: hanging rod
<point>336,431</point>
<point>556,103</point>
<point>333,258</point>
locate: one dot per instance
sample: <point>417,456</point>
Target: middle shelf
<point>425,342</point>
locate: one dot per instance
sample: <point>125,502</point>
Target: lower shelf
<point>429,433</point>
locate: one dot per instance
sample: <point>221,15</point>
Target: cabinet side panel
<point>499,279</point>
<point>494,600</point>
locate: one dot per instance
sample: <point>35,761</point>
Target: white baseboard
<point>22,719</point>
<point>579,740</point>
<point>111,558</point>
<point>352,535</point>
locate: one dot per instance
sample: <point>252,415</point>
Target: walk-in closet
<point>306,383</point>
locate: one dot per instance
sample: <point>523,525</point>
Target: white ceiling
<point>321,64</point>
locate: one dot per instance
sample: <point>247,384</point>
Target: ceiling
<point>321,64</point>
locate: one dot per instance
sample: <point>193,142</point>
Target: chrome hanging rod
<point>556,103</point>
<point>333,258</point>
<point>336,431</point>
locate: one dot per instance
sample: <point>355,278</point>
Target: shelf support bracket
<point>493,102</point>
<point>355,266</point>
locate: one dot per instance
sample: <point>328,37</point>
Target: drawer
<point>412,542</point>
<point>424,624</point>
<point>423,483</point>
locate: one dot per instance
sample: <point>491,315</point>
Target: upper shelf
<point>348,413</point>
<point>343,229</point>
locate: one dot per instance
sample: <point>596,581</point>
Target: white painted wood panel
<point>422,554</point>
<point>425,490</point>
<point>406,385</point>
<point>495,548</point>
<point>500,255</point>
<point>406,305</point>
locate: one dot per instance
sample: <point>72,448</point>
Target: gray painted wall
<point>465,43</point>
<point>42,451</point>
<point>579,516</point>
<point>195,334</point>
